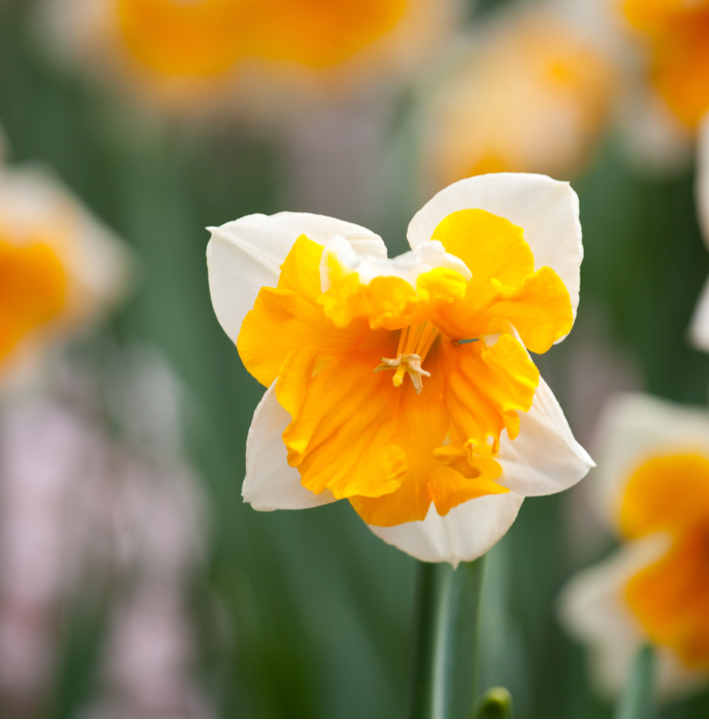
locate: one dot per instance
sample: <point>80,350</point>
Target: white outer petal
<point>547,210</point>
<point>634,428</point>
<point>465,533</point>
<point>408,266</point>
<point>593,609</point>
<point>271,483</point>
<point>702,182</point>
<point>246,254</point>
<point>545,457</point>
<point>699,325</point>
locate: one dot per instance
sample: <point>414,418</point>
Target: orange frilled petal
<point>391,302</point>
<point>344,419</point>
<point>670,598</point>
<point>208,37</point>
<point>422,428</point>
<point>679,33</point>
<point>486,387</point>
<point>32,290</point>
<point>504,285</point>
<point>288,317</point>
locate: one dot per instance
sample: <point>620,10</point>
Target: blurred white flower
<point>191,56</point>
<point>60,269</point>
<point>652,490</point>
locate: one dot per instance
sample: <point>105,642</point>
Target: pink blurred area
<point>95,524</point>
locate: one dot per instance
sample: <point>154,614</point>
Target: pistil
<point>414,344</point>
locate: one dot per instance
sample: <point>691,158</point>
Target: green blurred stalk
<point>638,698</point>
<point>445,658</point>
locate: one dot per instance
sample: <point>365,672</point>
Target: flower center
<point>415,342</point>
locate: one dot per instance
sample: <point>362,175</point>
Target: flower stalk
<point>638,700</point>
<point>444,678</point>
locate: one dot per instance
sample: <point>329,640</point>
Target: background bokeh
<point>308,614</point>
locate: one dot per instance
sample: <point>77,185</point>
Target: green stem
<point>445,659</point>
<point>638,698</point>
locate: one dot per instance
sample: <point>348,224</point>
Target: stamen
<point>402,341</point>
<point>414,345</point>
<point>427,341</point>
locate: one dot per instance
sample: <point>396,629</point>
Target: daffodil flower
<point>60,269</point>
<point>404,385</point>
<point>653,492</point>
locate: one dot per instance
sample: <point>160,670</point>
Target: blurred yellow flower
<point>59,267</point>
<point>176,51</point>
<point>678,38</point>
<point>404,385</point>
<point>530,94</point>
<point>653,488</point>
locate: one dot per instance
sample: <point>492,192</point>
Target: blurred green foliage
<point>308,614</point>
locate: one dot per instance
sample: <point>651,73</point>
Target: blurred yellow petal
<point>245,55</point>
<point>679,37</point>
<point>32,290</point>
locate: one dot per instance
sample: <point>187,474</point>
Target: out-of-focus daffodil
<point>404,385</point>
<point>532,94</point>
<point>653,490</point>
<point>59,267</point>
<point>177,51</point>
<point>677,34</point>
<point>664,46</point>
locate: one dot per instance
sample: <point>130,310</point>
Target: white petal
<point>465,533</point>
<point>702,186</point>
<point>634,428</point>
<point>547,210</point>
<point>545,457</point>
<point>408,266</point>
<point>271,483</point>
<point>699,325</point>
<point>593,609</point>
<point>245,255</point>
